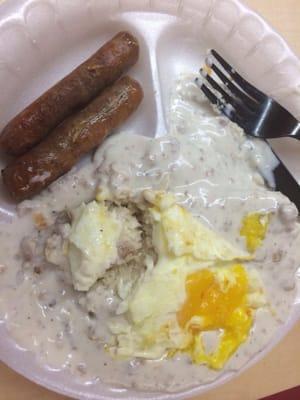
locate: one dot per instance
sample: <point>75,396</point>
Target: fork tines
<point>230,92</point>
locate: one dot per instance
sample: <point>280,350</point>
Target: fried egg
<point>254,228</point>
<point>92,246</point>
<point>198,285</point>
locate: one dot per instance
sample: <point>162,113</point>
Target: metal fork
<point>256,113</point>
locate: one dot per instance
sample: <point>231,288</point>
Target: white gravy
<point>216,172</point>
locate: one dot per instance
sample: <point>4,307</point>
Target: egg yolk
<point>221,303</point>
<point>254,228</point>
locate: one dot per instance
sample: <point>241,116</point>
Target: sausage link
<point>77,135</point>
<point>70,94</point>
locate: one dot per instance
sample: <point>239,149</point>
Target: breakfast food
<point>70,94</point>
<point>199,286</point>
<point>76,136</point>
<point>159,265</point>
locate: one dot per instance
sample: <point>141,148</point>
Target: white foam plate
<point>42,40</point>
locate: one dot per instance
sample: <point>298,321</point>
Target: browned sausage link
<point>77,135</point>
<point>70,94</point>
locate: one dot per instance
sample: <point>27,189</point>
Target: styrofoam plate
<point>42,40</point>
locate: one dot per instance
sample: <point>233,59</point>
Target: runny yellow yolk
<point>221,304</point>
<point>254,229</point>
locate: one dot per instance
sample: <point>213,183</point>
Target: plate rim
<point>7,7</point>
